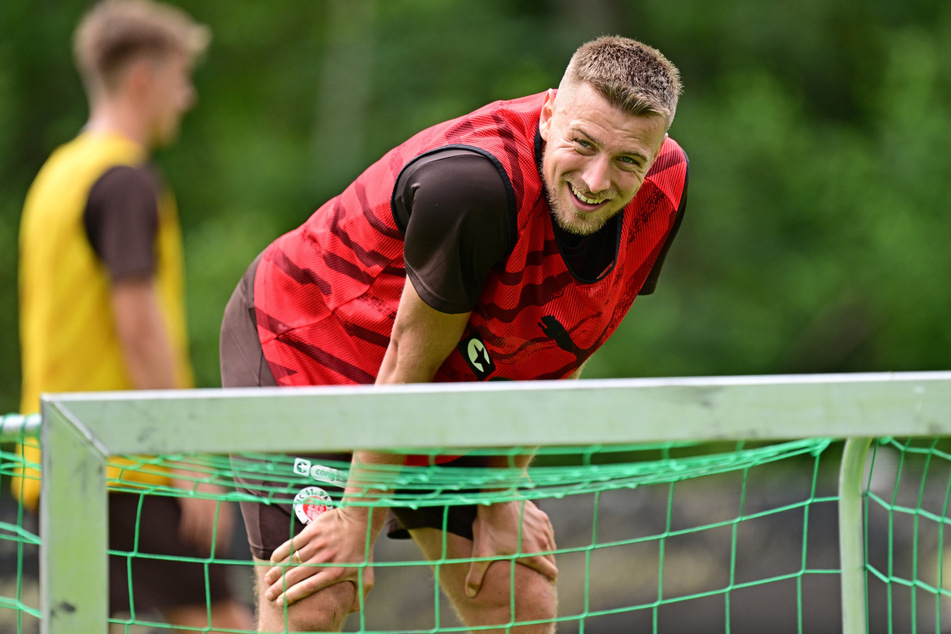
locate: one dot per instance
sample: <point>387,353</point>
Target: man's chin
<point>579,225</point>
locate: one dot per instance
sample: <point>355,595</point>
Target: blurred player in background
<point>506,244</point>
<point>101,293</point>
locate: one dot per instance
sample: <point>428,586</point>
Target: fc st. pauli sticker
<point>310,502</point>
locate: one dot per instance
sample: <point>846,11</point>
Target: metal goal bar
<point>80,431</point>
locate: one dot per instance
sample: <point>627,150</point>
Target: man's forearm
<point>370,472</point>
<point>512,461</point>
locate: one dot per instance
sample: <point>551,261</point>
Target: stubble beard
<point>571,220</point>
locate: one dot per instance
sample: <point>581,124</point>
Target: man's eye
<point>629,162</point>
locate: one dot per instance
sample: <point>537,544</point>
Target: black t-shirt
<point>121,220</point>
<point>459,222</point>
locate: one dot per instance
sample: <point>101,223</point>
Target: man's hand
<point>337,536</point>
<point>511,528</point>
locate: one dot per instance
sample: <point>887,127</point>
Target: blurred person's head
<point>603,129</point>
<point>141,53</point>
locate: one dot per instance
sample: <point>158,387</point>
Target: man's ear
<point>548,109</point>
<point>138,76</point>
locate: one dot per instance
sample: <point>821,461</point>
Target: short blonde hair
<point>632,76</point>
<point>115,32</point>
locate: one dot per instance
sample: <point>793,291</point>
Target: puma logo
<point>556,332</point>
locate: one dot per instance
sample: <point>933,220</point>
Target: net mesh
<point>907,527</point>
<point>666,538</point>
<point>19,551</point>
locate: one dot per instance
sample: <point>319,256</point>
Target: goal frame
<point>80,431</point>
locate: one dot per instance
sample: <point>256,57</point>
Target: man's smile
<point>587,200</point>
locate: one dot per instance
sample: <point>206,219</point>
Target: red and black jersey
<point>326,293</point>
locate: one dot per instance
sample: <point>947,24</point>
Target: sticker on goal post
<point>321,473</point>
<point>310,502</point>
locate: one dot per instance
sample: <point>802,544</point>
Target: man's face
<point>170,94</point>
<point>595,157</point>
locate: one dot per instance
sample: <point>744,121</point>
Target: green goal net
<point>733,530</point>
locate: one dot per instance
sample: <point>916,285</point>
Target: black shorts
<point>148,525</point>
<point>276,517</point>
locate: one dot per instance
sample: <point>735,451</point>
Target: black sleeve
<point>457,213</point>
<point>121,221</point>
<point>651,282</point>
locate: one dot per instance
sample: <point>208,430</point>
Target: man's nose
<point>596,175</point>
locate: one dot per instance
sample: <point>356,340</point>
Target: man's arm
<point>148,356</point>
<point>121,220</point>
<point>142,334</point>
<point>421,339</point>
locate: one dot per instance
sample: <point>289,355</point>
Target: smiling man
<point>506,244</point>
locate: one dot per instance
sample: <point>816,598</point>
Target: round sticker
<point>310,502</point>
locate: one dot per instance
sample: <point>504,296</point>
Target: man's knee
<point>533,597</point>
<point>323,611</point>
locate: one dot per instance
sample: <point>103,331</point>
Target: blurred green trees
<point>819,134</point>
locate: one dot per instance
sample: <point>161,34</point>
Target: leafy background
<point>819,135</point>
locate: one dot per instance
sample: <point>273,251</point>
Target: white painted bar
<point>74,530</point>
<point>611,411</point>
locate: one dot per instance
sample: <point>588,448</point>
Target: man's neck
<point>119,118</point>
